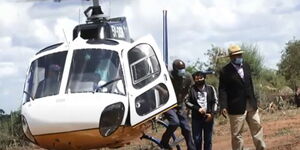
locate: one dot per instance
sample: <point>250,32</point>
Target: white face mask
<point>181,72</point>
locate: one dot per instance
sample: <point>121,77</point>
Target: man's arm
<point>215,101</point>
<point>222,91</point>
<point>189,103</point>
<point>223,94</point>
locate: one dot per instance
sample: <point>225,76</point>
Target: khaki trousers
<point>237,123</point>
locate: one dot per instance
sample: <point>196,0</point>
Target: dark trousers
<point>177,117</point>
<point>297,100</point>
<point>199,126</point>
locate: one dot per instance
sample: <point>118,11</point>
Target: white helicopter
<point>99,90</point>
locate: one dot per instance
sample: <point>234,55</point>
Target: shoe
<point>166,147</point>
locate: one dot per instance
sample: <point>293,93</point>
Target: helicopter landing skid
<point>175,142</point>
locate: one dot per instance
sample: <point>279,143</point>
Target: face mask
<point>181,72</point>
<point>200,83</point>
<point>237,61</point>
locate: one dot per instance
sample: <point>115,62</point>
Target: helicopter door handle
<point>165,77</point>
<point>60,100</point>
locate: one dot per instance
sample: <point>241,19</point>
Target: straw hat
<point>234,50</point>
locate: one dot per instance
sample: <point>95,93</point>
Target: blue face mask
<point>237,61</point>
<point>181,72</point>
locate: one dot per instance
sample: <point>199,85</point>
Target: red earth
<point>281,132</point>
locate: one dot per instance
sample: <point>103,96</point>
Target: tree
<point>196,66</point>
<point>2,112</point>
<point>253,58</point>
<point>271,78</point>
<point>289,65</point>
<point>217,58</point>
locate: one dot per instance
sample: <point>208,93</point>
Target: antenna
<point>66,38</point>
<point>79,12</point>
<point>110,8</point>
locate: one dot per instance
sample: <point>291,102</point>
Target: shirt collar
<point>201,89</point>
<point>237,66</point>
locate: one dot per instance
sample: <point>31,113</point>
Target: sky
<point>193,25</point>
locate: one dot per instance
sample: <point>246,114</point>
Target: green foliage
<point>271,78</point>
<point>266,81</point>
<point>212,80</point>
<point>2,112</point>
<point>196,66</point>
<point>11,130</point>
<point>217,58</point>
<point>289,65</point>
<point>253,58</point>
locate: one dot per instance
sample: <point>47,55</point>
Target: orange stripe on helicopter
<point>91,138</point>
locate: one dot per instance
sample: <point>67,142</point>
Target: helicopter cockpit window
<point>95,70</point>
<point>44,76</point>
<point>144,65</point>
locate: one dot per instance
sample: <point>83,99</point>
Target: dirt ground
<point>281,132</point>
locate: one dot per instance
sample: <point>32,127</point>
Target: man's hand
<point>224,112</point>
<point>209,117</point>
<point>202,111</point>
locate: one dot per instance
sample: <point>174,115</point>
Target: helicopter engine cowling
<point>115,28</point>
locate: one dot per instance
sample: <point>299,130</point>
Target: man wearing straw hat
<point>237,100</point>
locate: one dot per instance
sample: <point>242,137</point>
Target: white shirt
<point>239,70</point>
<point>202,98</point>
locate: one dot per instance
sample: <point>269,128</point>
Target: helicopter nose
<point>26,130</point>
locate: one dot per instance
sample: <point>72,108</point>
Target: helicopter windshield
<point>44,76</point>
<point>95,70</point>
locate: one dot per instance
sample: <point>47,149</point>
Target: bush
<point>11,131</point>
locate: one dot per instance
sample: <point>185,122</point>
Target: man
<point>236,95</point>
<point>182,81</point>
<point>203,102</point>
<point>50,85</point>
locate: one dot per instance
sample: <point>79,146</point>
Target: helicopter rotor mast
<point>96,2</point>
<point>165,38</point>
<point>96,14</point>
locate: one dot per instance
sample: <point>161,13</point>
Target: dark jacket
<point>234,92</point>
<point>181,86</point>
<point>212,101</point>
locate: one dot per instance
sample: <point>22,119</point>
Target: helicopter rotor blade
<point>57,1</point>
<point>95,2</point>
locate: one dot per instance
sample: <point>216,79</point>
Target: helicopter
<point>102,89</point>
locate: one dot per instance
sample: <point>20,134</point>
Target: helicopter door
<point>150,89</point>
